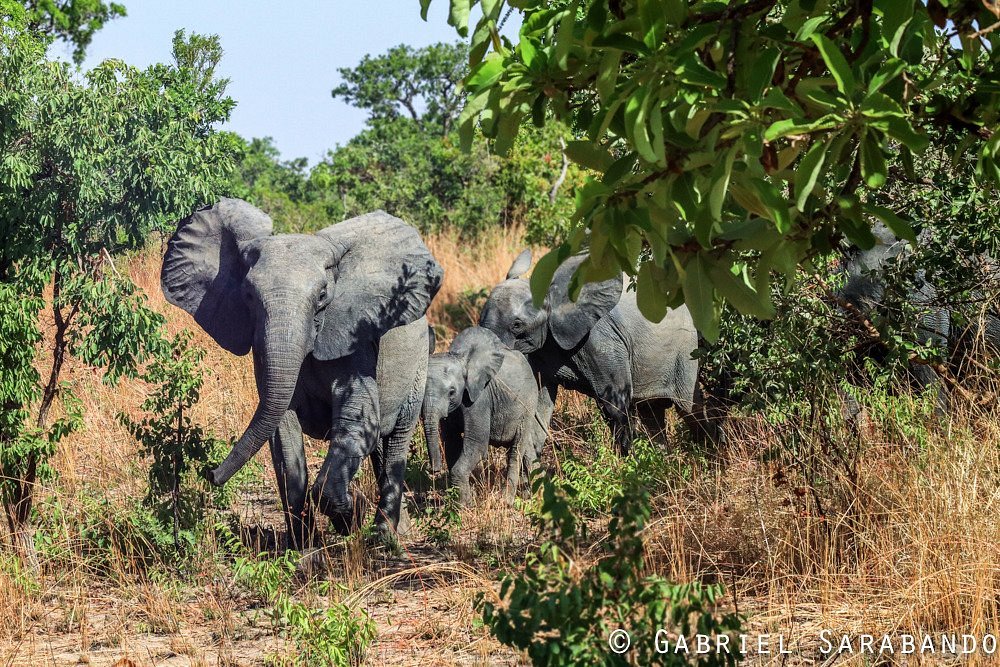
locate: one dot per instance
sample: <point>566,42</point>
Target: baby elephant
<point>487,391</point>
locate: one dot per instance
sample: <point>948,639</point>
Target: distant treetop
<point>421,83</point>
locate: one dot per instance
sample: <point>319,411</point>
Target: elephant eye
<point>451,391</point>
<point>517,327</point>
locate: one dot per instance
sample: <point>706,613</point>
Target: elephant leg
<point>705,417</point>
<point>354,435</point>
<point>289,458</point>
<point>474,446</point>
<point>653,417</point>
<point>529,462</point>
<point>615,409</point>
<point>515,460</point>
<point>389,463</point>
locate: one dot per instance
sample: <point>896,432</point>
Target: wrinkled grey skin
<point>486,390</point>
<point>602,346</point>
<point>335,321</point>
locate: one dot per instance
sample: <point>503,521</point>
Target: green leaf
<point>621,42</point>
<point>564,38</point>
<point>589,155</point>
<point>649,296</point>
<point>788,126</point>
<point>809,27</point>
<point>873,167</point>
<point>636,111</point>
<point>761,72</point>
<point>776,204</point>
<point>735,290</point>
<point>900,130</point>
<point>459,16</point>
<point>541,276</point>
<point>424,6</point>
<point>467,119</point>
<point>889,71</point>
<point>692,71</point>
<point>485,74</point>
<point>877,105</point>
<point>808,172</point>
<point>900,227</point>
<point>676,11</point>
<point>607,75</point>
<point>835,60</point>
<point>699,297</point>
<point>720,184</point>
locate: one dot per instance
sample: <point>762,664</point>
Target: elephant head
<point>864,287</point>
<point>456,377</point>
<point>510,313</point>
<point>328,294</point>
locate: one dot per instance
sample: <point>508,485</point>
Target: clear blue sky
<point>282,57</point>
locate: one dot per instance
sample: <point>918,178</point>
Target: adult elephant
<point>602,346</point>
<point>335,321</point>
<point>864,295</point>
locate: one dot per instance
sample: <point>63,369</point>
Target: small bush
<point>439,522</point>
<point>599,480</point>
<point>563,613</point>
<point>335,635</point>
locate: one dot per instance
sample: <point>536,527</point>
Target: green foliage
<point>563,614</point>
<point>738,138</point>
<point>598,481</point>
<point>409,163</point>
<point>74,21</point>
<point>421,83</point>
<point>178,447</point>
<point>334,635</point>
<point>88,168</point>
<point>439,522</point>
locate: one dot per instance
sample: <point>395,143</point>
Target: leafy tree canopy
<point>421,83</point>
<point>88,168</point>
<point>74,21</point>
<point>734,138</point>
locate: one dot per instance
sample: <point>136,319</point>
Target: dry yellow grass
<point>907,541</point>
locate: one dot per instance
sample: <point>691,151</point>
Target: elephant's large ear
<point>521,264</point>
<point>384,277</point>
<point>202,270</point>
<point>482,354</point>
<point>570,321</point>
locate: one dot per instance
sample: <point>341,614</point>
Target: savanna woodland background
<point>725,155</point>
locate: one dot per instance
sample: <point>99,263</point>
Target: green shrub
<point>439,522</point>
<point>599,480</point>
<point>177,495</point>
<point>333,635</point>
<point>563,613</point>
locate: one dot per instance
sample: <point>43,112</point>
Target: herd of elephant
<point>336,322</point>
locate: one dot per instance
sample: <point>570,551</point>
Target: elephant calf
<point>488,391</point>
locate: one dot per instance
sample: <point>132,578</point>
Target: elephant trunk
<point>283,345</point>
<point>432,436</point>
